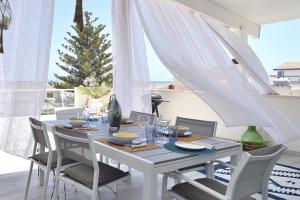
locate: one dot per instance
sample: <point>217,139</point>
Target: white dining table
<point>158,161</point>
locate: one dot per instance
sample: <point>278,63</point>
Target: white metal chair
<point>90,174</point>
<point>68,113</point>
<point>249,177</point>
<point>202,127</point>
<point>134,115</point>
<point>46,161</point>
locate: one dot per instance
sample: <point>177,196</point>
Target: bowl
<point>181,130</point>
<point>124,137</point>
<point>77,123</point>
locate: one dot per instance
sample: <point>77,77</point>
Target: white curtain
<point>193,52</point>
<point>251,66</point>
<point>24,72</point>
<point>131,75</point>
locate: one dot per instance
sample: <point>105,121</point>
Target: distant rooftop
<point>288,66</point>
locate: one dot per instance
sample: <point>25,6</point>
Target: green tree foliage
<point>85,54</point>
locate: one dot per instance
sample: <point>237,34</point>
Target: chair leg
<point>95,195</point>
<point>264,192</point>
<point>28,181</point>
<point>56,187</point>
<point>46,182</point>
<point>164,190</point>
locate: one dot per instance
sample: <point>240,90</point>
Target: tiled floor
<point>13,177</point>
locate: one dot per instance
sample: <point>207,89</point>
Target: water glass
<point>172,134</point>
<point>150,132</point>
<point>162,130</point>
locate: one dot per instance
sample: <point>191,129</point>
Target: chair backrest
<point>73,145</point>
<point>253,172</point>
<point>202,127</point>
<point>134,115</point>
<point>39,135</point>
<point>68,113</point>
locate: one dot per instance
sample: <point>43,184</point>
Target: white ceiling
<point>263,11</point>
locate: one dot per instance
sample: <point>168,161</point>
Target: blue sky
<point>279,42</point>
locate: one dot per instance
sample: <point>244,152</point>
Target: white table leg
<point>42,174</point>
<point>210,170</point>
<point>150,187</point>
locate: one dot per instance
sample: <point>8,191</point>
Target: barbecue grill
<point>156,100</point>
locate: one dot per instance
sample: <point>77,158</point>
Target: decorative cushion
<point>43,159</point>
<point>190,192</point>
<point>85,174</point>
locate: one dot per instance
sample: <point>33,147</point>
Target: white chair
<point>68,113</point>
<point>90,174</point>
<point>134,115</point>
<point>249,177</point>
<point>46,161</point>
<point>202,127</point>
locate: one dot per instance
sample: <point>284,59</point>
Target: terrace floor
<point>14,174</point>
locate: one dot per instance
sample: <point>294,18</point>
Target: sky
<point>278,43</point>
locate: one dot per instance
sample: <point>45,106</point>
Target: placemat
<point>192,137</point>
<point>171,147</point>
<point>128,149</point>
<point>78,129</point>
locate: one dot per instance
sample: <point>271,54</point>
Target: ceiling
<point>248,15</point>
<point>263,11</point>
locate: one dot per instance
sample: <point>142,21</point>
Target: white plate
<point>182,134</point>
<point>190,145</point>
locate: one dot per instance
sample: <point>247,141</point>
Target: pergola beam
<point>226,16</point>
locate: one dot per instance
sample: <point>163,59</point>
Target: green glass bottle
<point>252,137</point>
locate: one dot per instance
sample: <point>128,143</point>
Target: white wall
<point>187,104</point>
<point>291,73</point>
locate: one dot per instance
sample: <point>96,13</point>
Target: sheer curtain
<point>131,75</point>
<point>24,72</point>
<point>252,68</point>
<point>193,52</point>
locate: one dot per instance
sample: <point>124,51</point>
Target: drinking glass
<point>172,134</point>
<point>162,129</point>
<point>150,132</point>
<point>144,121</point>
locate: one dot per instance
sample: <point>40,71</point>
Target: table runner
<point>171,147</point>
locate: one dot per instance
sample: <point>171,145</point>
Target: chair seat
<point>190,192</point>
<point>43,159</point>
<point>85,174</point>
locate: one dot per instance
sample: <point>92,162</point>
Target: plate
<point>181,134</point>
<point>115,140</point>
<point>189,145</point>
<point>68,125</point>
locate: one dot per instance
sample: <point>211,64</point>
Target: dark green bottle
<point>114,113</point>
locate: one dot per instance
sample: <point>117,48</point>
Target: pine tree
<point>85,54</point>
